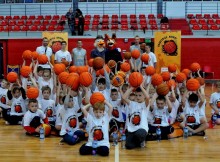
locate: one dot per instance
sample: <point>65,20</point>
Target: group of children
<point>138,111</point>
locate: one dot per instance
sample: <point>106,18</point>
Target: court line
<point>116,153</point>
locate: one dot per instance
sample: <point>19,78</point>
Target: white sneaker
<point>143,144</point>
<point>6,122</point>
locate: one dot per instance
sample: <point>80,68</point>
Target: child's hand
<point>37,129</point>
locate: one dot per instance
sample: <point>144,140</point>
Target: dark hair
<point>138,89</point>
<point>45,38</point>
<point>143,68</point>
<point>40,68</point>
<point>63,42</point>
<point>63,99</point>
<point>193,97</point>
<point>46,88</point>
<point>32,101</point>
<point>161,98</point>
<point>102,81</point>
<point>16,89</point>
<point>114,90</point>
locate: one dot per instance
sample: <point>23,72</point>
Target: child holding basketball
<point>215,102</point>
<point>3,98</point>
<point>98,125</point>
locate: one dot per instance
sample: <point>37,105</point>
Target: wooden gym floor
<point>15,146</point>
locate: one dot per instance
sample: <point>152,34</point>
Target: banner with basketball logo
<point>55,39</point>
<point>167,48</point>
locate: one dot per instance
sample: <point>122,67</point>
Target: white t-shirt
<point>175,106</point>
<point>42,83</point>
<point>26,83</point>
<point>48,107</point>
<point>60,56</point>
<point>60,113</point>
<point>79,57</point>
<point>202,110</point>
<point>160,116</point>
<point>117,110</point>
<point>215,99</point>
<point>3,98</point>
<point>42,50</point>
<point>98,129</point>
<point>28,117</point>
<point>137,116</point>
<point>18,107</point>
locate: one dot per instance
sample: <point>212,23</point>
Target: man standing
<point>79,55</point>
<point>153,59</point>
<point>70,15</point>
<point>44,49</point>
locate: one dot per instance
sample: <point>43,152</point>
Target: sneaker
<point>6,122</point>
<point>143,144</point>
<point>20,122</point>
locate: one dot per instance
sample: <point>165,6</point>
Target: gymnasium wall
<point>202,50</point>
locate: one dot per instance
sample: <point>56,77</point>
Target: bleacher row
<point>204,22</point>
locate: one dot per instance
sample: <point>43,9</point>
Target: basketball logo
<point>157,120</point>
<point>191,119</point>
<point>18,109</point>
<point>115,112</point>
<point>49,112</point>
<point>98,134</point>
<point>3,100</point>
<point>136,119</point>
<point>170,48</point>
<point>73,122</point>
<point>218,104</point>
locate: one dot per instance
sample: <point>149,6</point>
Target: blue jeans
<point>75,138</point>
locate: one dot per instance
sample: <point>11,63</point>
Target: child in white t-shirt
<point>98,125</point>
<point>3,98</point>
<point>215,102</point>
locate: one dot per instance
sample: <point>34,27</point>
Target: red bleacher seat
<point>56,17</point>
<point>8,28</point>
<point>88,17</point>
<point>40,17</point>
<point>24,17</point>
<point>215,16</point>
<point>143,22</point>
<point>114,27</point>
<point>196,27</point>
<point>210,21</point>
<point>124,27</point>
<point>190,16</point>
<point>153,27</point>
<point>34,28</point>
<point>124,17</point>
<point>3,23</point>
<point>114,16</point>
<point>199,16</point>
<point>96,17</point>
<point>51,28</point>
<point>207,16</point>
<point>193,21</point>
<point>45,22</point>
<point>144,27</point>
<point>114,21</point>
<point>152,22</point>
<point>142,16</point>
<point>47,17</point>
<point>8,17</point>
<point>105,27</point>
<point>32,17</point>
<point>86,27</point>
<point>16,17</point>
<point>59,28</point>
<point>42,28</point>
<point>16,28</point>
<point>2,28</point>
<point>124,22</point>
<point>95,22</point>
<point>105,16</point>
<point>133,21</point>
<point>12,23</point>
<point>24,28</point>
<point>105,21</point>
<point>20,22</point>
<point>205,27</point>
<point>95,27</point>
<point>159,16</point>
<point>214,27</point>
<point>87,22</point>
<point>151,16</point>
<point>29,22</point>
<point>134,27</point>
<point>53,22</point>
<point>133,16</point>
<point>164,26</point>
<point>217,21</point>
<point>1,17</point>
<point>63,18</point>
<point>202,21</point>
<point>37,22</point>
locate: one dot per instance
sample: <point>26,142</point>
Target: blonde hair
<point>99,106</point>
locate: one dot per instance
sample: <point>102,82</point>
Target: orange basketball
<point>73,81</point>
<point>122,74</point>
<point>27,55</point>
<point>64,62</point>
<point>32,93</point>
<point>34,55</point>
<point>192,85</point>
<point>180,77</point>
<point>25,71</point>
<point>135,53</point>
<point>172,68</point>
<point>12,77</point>
<point>96,97</point>
<point>98,73</point>
<point>135,79</point>
<point>150,70</point>
<point>73,69</point>
<point>59,68</point>
<point>201,80</point>
<point>162,89</point>
<point>127,55</point>
<point>42,59</point>
<point>186,72</point>
<point>74,74</point>
<point>125,67</point>
<point>111,64</point>
<point>145,58</point>
<point>108,70</point>
<point>81,69</point>
<point>171,83</point>
<point>85,79</point>
<point>47,129</point>
<point>165,75</point>
<point>194,67</point>
<point>117,81</point>
<point>98,63</point>
<point>63,77</point>
<point>90,62</point>
<point>156,79</point>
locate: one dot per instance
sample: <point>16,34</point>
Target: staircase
<point>180,24</point>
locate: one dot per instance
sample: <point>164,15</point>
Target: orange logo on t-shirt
<point>191,119</point>
<point>136,119</point>
<point>157,120</point>
<point>18,109</point>
<point>98,134</point>
<point>73,122</point>
<point>115,113</point>
<point>49,113</point>
<point>218,104</point>
<point>3,100</point>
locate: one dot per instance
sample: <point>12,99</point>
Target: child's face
<point>70,103</point>
<point>33,106</point>
<point>192,103</point>
<point>182,91</point>
<point>172,99</point>
<point>46,75</point>
<point>4,84</point>
<point>17,94</point>
<point>40,73</point>
<point>46,94</point>
<point>139,96</point>
<point>132,97</point>
<point>114,96</point>
<point>124,89</point>
<point>98,113</point>
<point>143,71</point>
<point>101,86</point>
<point>160,104</point>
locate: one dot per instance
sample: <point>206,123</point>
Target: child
<point>3,98</point>
<point>136,121</point>
<point>215,102</point>
<point>33,118</point>
<point>70,127</point>
<point>98,125</point>
<point>161,111</point>
<point>17,96</point>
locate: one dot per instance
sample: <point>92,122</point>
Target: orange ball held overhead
<point>172,68</point>
<point>108,70</point>
<point>25,71</point>
<point>135,54</point>
<point>27,55</point>
<point>73,81</point>
<point>156,79</point>
<point>12,77</point>
<point>180,77</point>
<point>63,77</point>
<point>201,80</point>
<point>90,62</point>
<point>186,72</point>
<point>194,67</point>
<point>171,83</point>
<point>98,63</point>
<point>117,81</point>
<point>42,59</point>
<point>145,58</point>
<point>59,68</point>
<point>34,55</point>
<point>192,84</point>
<point>135,79</point>
<point>150,70</point>
<point>162,89</point>
<point>125,67</point>
<point>97,97</point>
<point>127,55</point>
<point>85,79</point>
<point>165,75</point>
<point>32,93</point>
<point>111,64</point>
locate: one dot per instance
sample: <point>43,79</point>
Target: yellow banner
<point>55,39</point>
<point>167,48</point>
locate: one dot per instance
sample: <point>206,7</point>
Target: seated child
<point>215,102</point>
<point>4,107</point>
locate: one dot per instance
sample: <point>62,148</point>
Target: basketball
<point>201,80</point>
<point>150,70</point>
<point>27,55</point>
<point>162,89</point>
<point>59,68</point>
<point>135,54</point>
<point>192,85</point>
<point>90,62</point>
<point>122,74</point>
<point>194,67</point>
<point>156,79</point>
<point>96,97</point>
<point>73,69</point>
<point>186,72</point>
<point>172,68</point>
<point>74,74</point>
<point>117,81</point>
<point>64,62</point>
<point>180,77</point>
<point>63,77</point>
<point>125,67</point>
<point>42,59</point>
<point>12,77</point>
<point>171,83</point>
<point>127,55</point>
<point>34,55</point>
<point>47,129</point>
<point>135,79</point>
<point>98,63</point>
<point>25,71</point>
<point>108,70</point>
<point>81,69</point>
<point>73,81</point>
<point>165,75</point>
<point>85,79</point>
<point>32,93</point>
<point>111,64</point>
<point>145,58</point>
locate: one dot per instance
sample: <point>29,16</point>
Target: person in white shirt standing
<point>79,55</point>
<point>44,49</point>
<point>136,45</point>
<point>63,55</point>
<point>153,59</point>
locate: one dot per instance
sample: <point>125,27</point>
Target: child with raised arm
<point>97,126</point>
<point>4,107</point>
<point>136,120</point>
<point>215,102</point>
